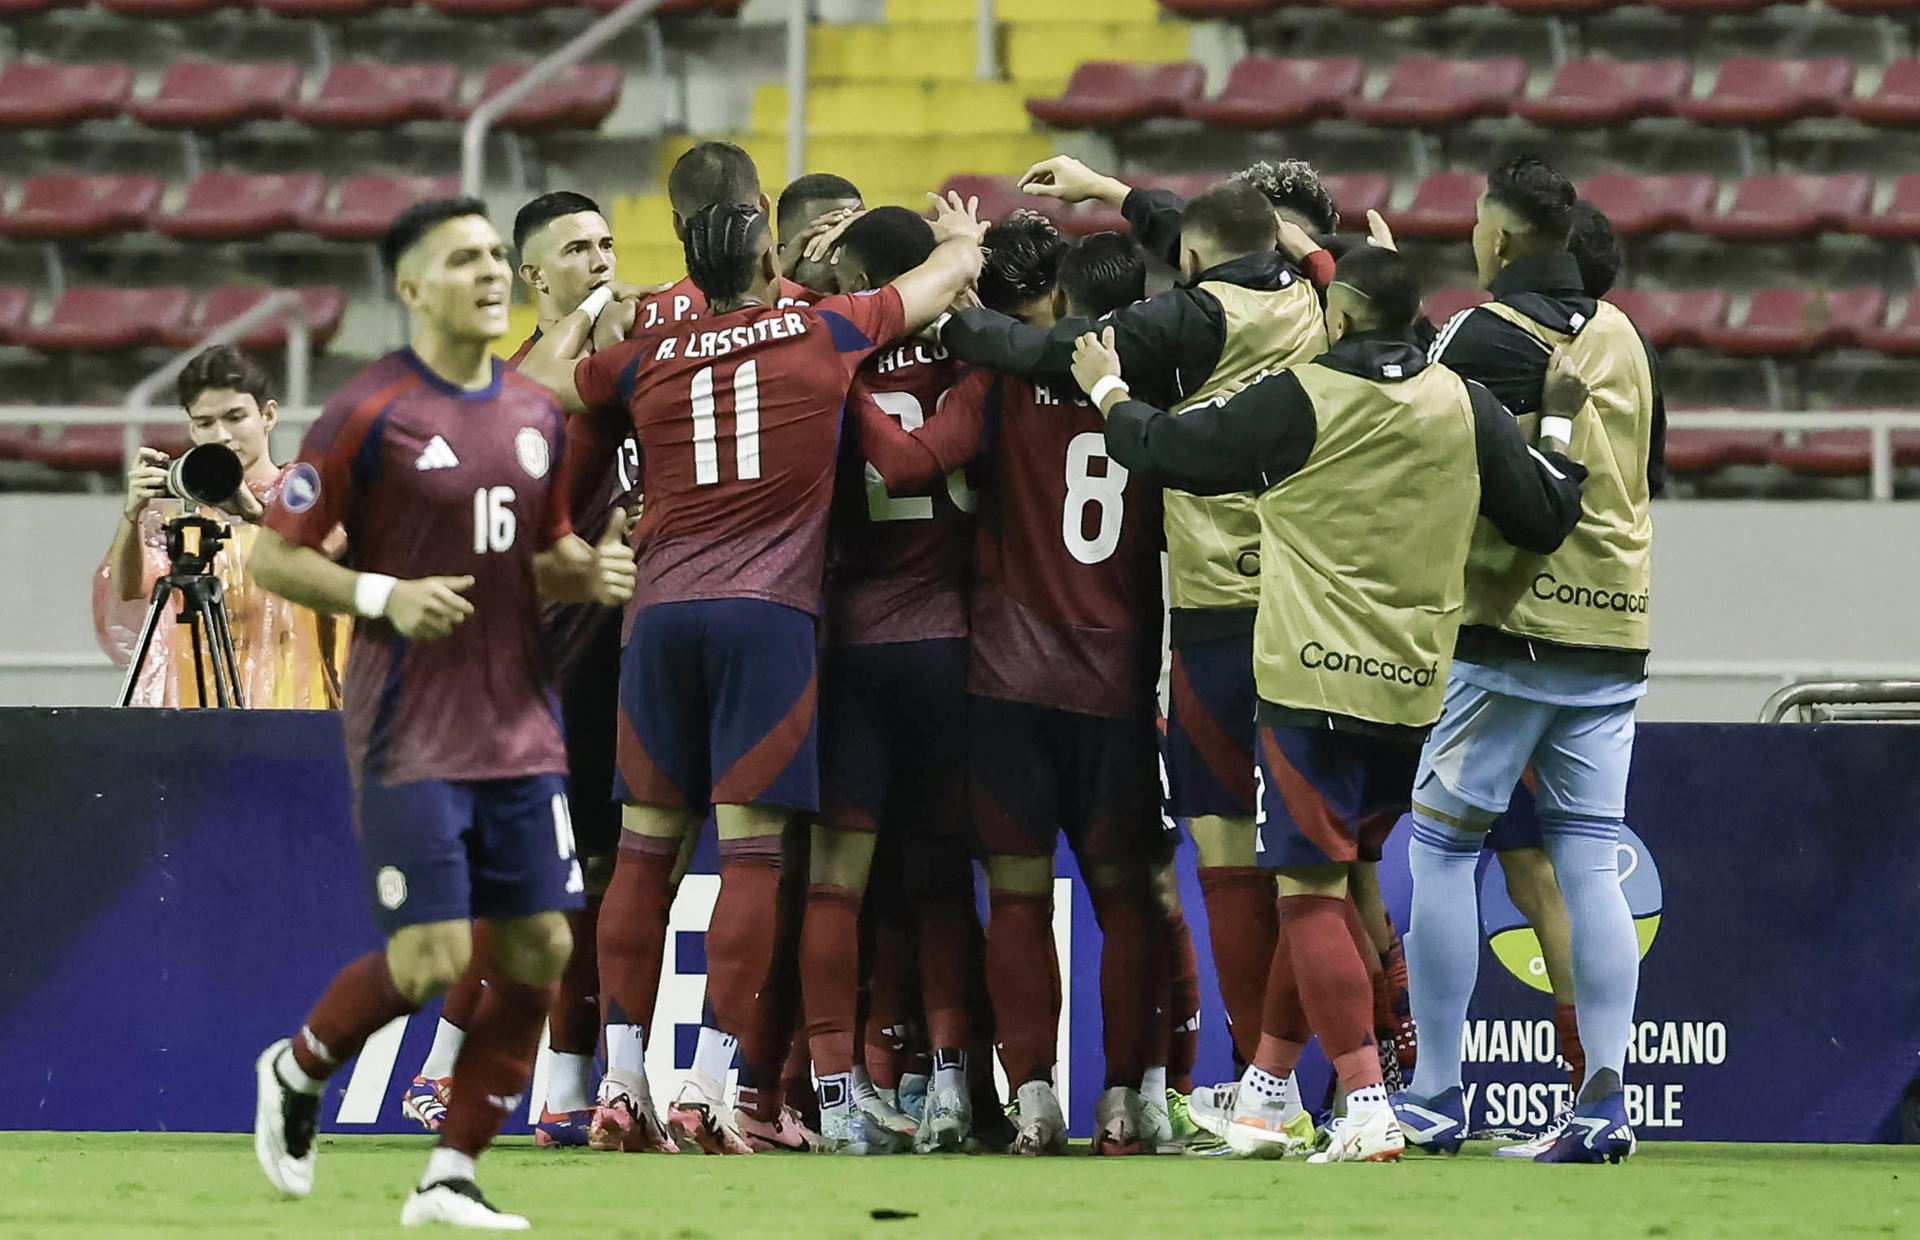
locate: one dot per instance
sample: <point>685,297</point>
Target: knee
<point>1166,890</point>
<point>425,960</point>
<point>534,950</point>
<point>1225,841</point>
<point>1530,882</point>
<point>1020,875</point>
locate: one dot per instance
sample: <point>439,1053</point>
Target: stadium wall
<point>175,888</point>
<point>1745,595</point>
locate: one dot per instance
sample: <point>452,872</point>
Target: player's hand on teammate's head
<point>614,571</point>
<point>822,237</point>
<point>146,481</point>
<point>1564,391</point>
<point>1377,231</point>
<point>1065,178</point>
<point>955,218</point>
<point>1094,359</point>
<point>427,608</point>
<point>1296,242</point>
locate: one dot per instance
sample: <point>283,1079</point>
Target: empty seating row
<point>1387,9</point>
<point>347,8</point>
<point>100,319</point>
<point>1824,454</point>
<point>219,206</point>
<point>208,94</point>
<point>1264,92</point>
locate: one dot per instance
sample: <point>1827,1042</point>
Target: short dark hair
<point>712,172</point>
<point>420,219</point>
<point>222,368</point>
<point>1597,248</point>
<point>1386,278</point>
<point>547,208</point>
<point>722,241</point>
<point>890,241</point>
<point>1103,272</point>
<point>806,190</point>
<point>1236,216</point>
<point>1293,185</point>
<point>1023,261</point>
<point>1541,197</point>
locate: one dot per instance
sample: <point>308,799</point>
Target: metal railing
<point>473,139</point>
<point>796,88</point>
<point>1879,425</point>
<point>1880,701</point>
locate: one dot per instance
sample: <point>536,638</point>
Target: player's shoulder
<point>364,398</point>
<point>794,293</point>
<point>524,392</point>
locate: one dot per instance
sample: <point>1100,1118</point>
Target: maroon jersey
<point>897,560</point>
<point>738,421</point>
<point>430,480</point>
<point>684,302</point>
<point>1066,602</point>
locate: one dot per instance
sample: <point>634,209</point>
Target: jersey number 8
<point>1106,490</point>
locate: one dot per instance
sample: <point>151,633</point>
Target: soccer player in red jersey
<point>1064,651</point>
<point>809,206</point>
<point>738,421</point>
<point>444,468</point>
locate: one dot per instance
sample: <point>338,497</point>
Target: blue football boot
<point>1437,1125</point>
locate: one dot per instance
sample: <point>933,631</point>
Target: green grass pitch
<point>65,1185</point>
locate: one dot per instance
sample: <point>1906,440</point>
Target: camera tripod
<point>192,542</point>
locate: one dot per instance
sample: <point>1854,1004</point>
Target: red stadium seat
<point>1826,454</point>
<point>1872,8</point>
<point>1900,338</point>
<point>1896,101</point>
<point>59,206</point>
<point>1899,220</point>
<point>1443,303</point>
<point>1000,195</point>
<point>1712,8</point>
<point>232,206</point>
<point>16,307</point>
<point>1388,9</point>
<point>1434,90</point>
<point>95,319</point>
<point>1265,92</point>
<point>1356,194</point>
<point>669,8</point>
<point>1442,208</point>
<point>1557,8</point>
<point>1587,93</point>
<point>489,8</point>
<point>1675,319</point>
<point>1790,208</point>
<point>207,94</point>
<point>327,9</point>
<point>1701,452</point>
<point>1105,93</point>
<point>1642,206</point>
<point>167,8</point>
<point>321,307</point>
<point>1785,322</point>
<point>366,94</point>
<point>1763,91</point>
<point>580,98</point>
<point>14,9</point>
<point>367,203</point>
<point>37,94</point>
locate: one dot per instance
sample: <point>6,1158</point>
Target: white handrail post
<point>796,89</point>
<point>473,139</point>
<point>1882,440</point>
<point>299,357</point>
<point>986,63</point>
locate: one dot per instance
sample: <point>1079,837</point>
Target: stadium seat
<point>1588,93</point>
<point>60,206</point>
<point>1676,318</point>
<point>582,97</point>
<point>1265,92</point>
<point>668,8</point>
<point>232,206</point>
<point>322,308</point>
<point>489,8</point>
<point>1642,206</point>
<point>1703,451</point>
<point>1901,337</point>
<point>1825,454</point>
<point>1386,10</point>
<point>1898,220</point>
<point>1784,322</point>
<point>16,306</point>
<point>1356,194</point>
<point>999,195</point>
<point>1443,303</point>
<point>1434,90</point>
<point>327,9</point>
<point>1896,101</point>
<point>97,319</point>
<point>1871,8</point>
<point>100,449</point>
<point>364,205</point>
<point>366,94</point>
<point>1790,208</point>
<point>166,8</point>
<point>1764,91</point>
<point>207,94</point>
<point>1105,93</point>
<point>1557,8</point>
<point>1443,208</point>
<point>15,9</point>
<point>37,94</point>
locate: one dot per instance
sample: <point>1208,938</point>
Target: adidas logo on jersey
<point>438,454</point>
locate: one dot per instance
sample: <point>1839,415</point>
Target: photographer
<point>287,656</point>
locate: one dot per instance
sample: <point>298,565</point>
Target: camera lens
<point>208,474</point>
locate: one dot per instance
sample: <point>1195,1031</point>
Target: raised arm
<point>1154,339</point>
<point>1532,497</point>
<point>911,462</point>
<point>930,289</point>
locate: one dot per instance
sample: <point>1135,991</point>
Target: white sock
<point>836,1091</point>
<point>713,1054</point>
<point>1372,1098</point>
<point>447,1164</point>
<point>287,1068</point>
<point>447,1041</point>
<point>627,1051</point>
<point>863,1085</point>
<point>569,1082</point>
<point>1265,1085</point>
<point>949,1069</point>
<point>1154,1084</point>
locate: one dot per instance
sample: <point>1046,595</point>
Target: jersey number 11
<point>746,425</point>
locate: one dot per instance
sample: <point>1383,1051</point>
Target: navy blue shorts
<point>893,738</point>
<point>438,851</point>
<point>1037,771</point>
<point>1330,796</point>
<point>717,707</point>
<point>1210,704</point>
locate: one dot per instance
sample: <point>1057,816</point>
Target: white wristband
<point>596,301</point>
<point>1557,428</point>
<point>370,594</point>
<point>939,325</point>
<point>1106,385</point>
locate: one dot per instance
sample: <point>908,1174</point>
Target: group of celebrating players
<point>865,540</point>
